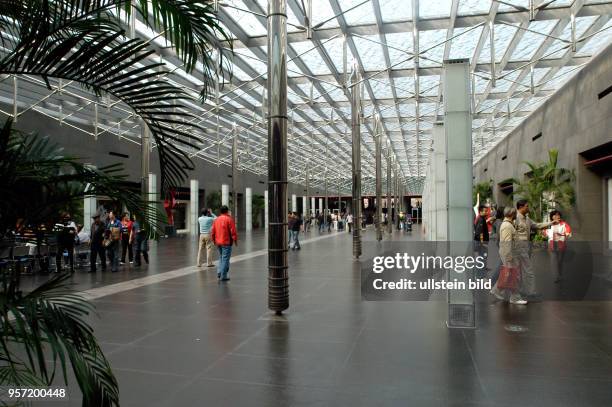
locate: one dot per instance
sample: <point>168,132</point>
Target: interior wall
<point>96,152</point>
<point>573,120</point>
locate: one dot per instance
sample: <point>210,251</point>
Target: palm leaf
<point>45,37</point>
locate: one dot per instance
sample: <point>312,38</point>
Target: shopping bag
<point>508,278</point>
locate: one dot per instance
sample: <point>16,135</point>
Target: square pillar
<point>194,188</point>
<point>313,205</point>
<point>293,203</point>
<point>248,201</point>
<point>266,209</point>
<point>89,209</point>
<point>438,193</point>
<point>304,206</point>
<point>458,134</point>
<point>321,205</point>
<point>225,195</point>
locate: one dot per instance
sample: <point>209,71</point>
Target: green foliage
<point>546,186</point>
<point>38,182</point>
<point>43,332</point>
<point>485,189</point>
<point>213,201</point>
<point>42,36</point>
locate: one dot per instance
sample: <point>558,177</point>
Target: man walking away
<point>481,232</point>
<point>96,240</point>
<point>349,222</point>
<point>223,235</point>
<point>291,219</point>
<point>297,224</point>
<point>524,225</point>
<point>139,238</point>
<point>206,221</point>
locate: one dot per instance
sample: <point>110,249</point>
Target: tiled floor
<point>189,341</point>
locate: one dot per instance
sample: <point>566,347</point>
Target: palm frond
<point>82,41</point>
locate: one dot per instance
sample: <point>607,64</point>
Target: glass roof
<point>386,39</point>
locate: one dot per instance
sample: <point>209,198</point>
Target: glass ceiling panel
<point>394,10</point>
<point>473,6</point>
<point>595,43</point>
<point>400,48</point>
<point>363,14</point>
<point>464,45</point>
<point>248,22</point>
<point>433,42</point>
<point>251,54</point>
<point>437,8</point>
<point>503,37</point>
<point>310,56</point>
<point>371,53</point>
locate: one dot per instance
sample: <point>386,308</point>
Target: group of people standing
<point>511,230</point>
<point>107,239</point>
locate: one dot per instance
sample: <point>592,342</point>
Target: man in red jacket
<point>223,235</point>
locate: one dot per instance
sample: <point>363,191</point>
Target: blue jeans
<point>112,252</point>
<point>224,261</point>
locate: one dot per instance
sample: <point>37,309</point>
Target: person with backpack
<point>224,235</point>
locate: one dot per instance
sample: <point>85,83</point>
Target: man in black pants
<point>66,233</point>
<point>96,244</point>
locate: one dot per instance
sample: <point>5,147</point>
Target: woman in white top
<point>557,236</point>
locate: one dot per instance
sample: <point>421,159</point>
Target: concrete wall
<point>96,152</point>
<point>573,120</point>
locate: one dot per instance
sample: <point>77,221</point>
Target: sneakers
<point>495,293</point>
<point>210,265</point>
<point>518,301</point>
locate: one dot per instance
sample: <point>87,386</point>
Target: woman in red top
<point>126,230</point>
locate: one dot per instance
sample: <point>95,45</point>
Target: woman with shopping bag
<point>507,286</point>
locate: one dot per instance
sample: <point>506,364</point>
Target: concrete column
<point>89,209</point>
<point>248,201</point>
<point>458,133</point>
<point>152,195</point>
<point>313,204</point>
<point>293,203</point>
<point>321,208</point>
<point>304,206</point>
<point>194,189</point>
<point>225,195</point>
<point>438,193</point>
<point>266,209</point>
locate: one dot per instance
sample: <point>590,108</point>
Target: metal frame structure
<point>520,53</point>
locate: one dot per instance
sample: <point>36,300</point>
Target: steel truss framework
<point>521,51</point>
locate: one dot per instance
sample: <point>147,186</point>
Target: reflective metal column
<point>389,204</point>
<point>356,160</point>
<point>377,148</point>
<point>278,277</point>
<point>234,208</point>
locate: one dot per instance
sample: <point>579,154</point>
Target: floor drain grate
<point>516,328</point>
